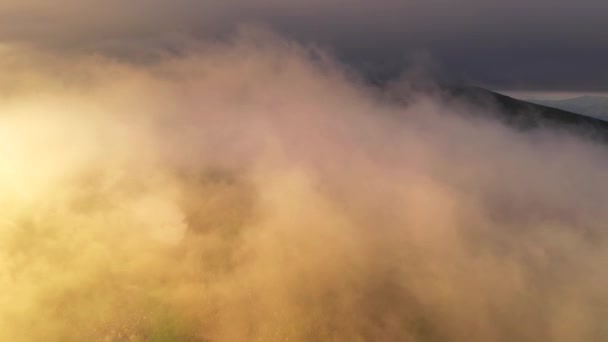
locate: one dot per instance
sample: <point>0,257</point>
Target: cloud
<point>257,190</point>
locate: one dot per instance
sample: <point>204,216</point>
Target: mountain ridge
<point>527,115</point>
<point>589,105</point>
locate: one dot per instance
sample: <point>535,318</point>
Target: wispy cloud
<point>255,190</point>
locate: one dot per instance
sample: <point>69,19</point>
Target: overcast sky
<point>549,45</point>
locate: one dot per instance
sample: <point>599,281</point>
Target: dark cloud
<point>550,45</point>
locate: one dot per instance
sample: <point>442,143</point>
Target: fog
<point>257,190</point>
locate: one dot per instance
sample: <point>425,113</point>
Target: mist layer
<point>256,190</point>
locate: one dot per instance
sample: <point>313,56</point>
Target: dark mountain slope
<point>526,115</point>
<point>594,106</point>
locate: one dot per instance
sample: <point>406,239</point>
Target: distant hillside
<point>594,106</point>
<point>526,115</point>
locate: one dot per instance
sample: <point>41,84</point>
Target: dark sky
<point>518,45</point>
